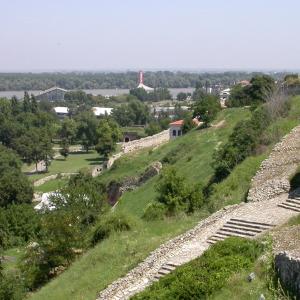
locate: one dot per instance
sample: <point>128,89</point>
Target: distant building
<point>244,83</point>
<point>176,129</point>
<point>101,111</point>
<point>141,84</point>
<point>53,94</point>
<point>224,96</point>
<point>167,110</point>
<point>61,111</point>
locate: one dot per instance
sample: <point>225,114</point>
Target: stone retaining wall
<point>149,141</point>
<point>51,177</point>
<point>273,177</point>
<point>287,265</point>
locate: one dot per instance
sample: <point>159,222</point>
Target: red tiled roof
<point>179,123</point>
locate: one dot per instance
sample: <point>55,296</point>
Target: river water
<point>104,92</point>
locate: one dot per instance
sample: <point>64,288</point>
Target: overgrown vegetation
<point>204,276</point>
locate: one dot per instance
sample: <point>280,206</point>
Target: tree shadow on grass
<point>95,161</point>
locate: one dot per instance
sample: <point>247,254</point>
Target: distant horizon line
<point>125,70</point>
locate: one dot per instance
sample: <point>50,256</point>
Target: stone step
<point>286,206</point>
<point>168,268</point>
<point>214,239</point>
<point>253,223</point>
<point>241,232</point>
<point>258,227</point>
<point>292,201</point>
<point>229,234</point>
<point>163,272</point>
<point>294,197</point>
<point>172,264</point>
<point>165,269</point>
<point>242,227</point>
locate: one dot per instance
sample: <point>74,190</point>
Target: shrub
<point>154,211</point>
<point>176,195</point>
<point>18,224</point>
<point>11,287</point>
<point>112,222</point>
<point>205,275</point>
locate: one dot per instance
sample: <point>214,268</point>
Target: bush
<point>200,278</point>
<point>18,225</point>
<point>176,195</point>
<point>242,142</point>
<point>154,211</point>
<point>112,222</point>
<point>11,287</point>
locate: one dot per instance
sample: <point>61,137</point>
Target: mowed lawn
<point>73,163</point>
<point>118,254</point>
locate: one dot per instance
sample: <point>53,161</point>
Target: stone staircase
<point>293,202</point>
<point>165,269</point>
<point>240,228</point>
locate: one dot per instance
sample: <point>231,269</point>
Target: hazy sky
<point>149,34</point>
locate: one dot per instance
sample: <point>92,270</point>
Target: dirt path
<point>246,220</point>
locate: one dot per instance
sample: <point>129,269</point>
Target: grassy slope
<point>118,254</point>
<point>233,190</point>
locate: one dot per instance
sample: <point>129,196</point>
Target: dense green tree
<point>108,134</point>
<point>68,130</point>
<point>238,97</point>
<point>34,146</point>
<point>34,105</point>
<point>133,113</point>
<point>26,103</point>
<point>175,194</point>
<point>87,129</point>
<point>14,185</point>
<point>188,124</point>
<point>261,86</point>
<point>64,148</point>
<point>207,109</point>
<point>182,96</point>
<point>15,106</point>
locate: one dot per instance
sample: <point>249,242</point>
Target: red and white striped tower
<point>141,77</point>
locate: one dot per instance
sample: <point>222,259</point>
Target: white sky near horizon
<point>65,35</point>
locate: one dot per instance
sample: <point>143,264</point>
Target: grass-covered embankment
<point>192,156</point>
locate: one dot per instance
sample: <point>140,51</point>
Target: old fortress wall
<point>149,141</point>
<point>273,177</point>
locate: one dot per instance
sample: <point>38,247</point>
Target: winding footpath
<point>269,205</point>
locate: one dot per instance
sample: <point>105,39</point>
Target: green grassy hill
<point>192,155</point>
<point>115,256</point>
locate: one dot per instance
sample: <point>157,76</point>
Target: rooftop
<point>177,123</point>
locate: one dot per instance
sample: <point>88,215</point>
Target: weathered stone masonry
<point>272,179</point>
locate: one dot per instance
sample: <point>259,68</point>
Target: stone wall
<point>149,141</point>
<point>287,265</point>
<point>273,177</point>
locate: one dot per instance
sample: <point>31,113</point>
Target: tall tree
<point>26,103</point>
<point>207,109</point>
<point>108,134</point>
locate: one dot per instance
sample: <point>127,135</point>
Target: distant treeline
<point>128,80</point>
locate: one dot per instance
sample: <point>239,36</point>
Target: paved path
<point>246,220</point>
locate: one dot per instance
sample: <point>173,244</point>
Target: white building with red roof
<point>176,129</point>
